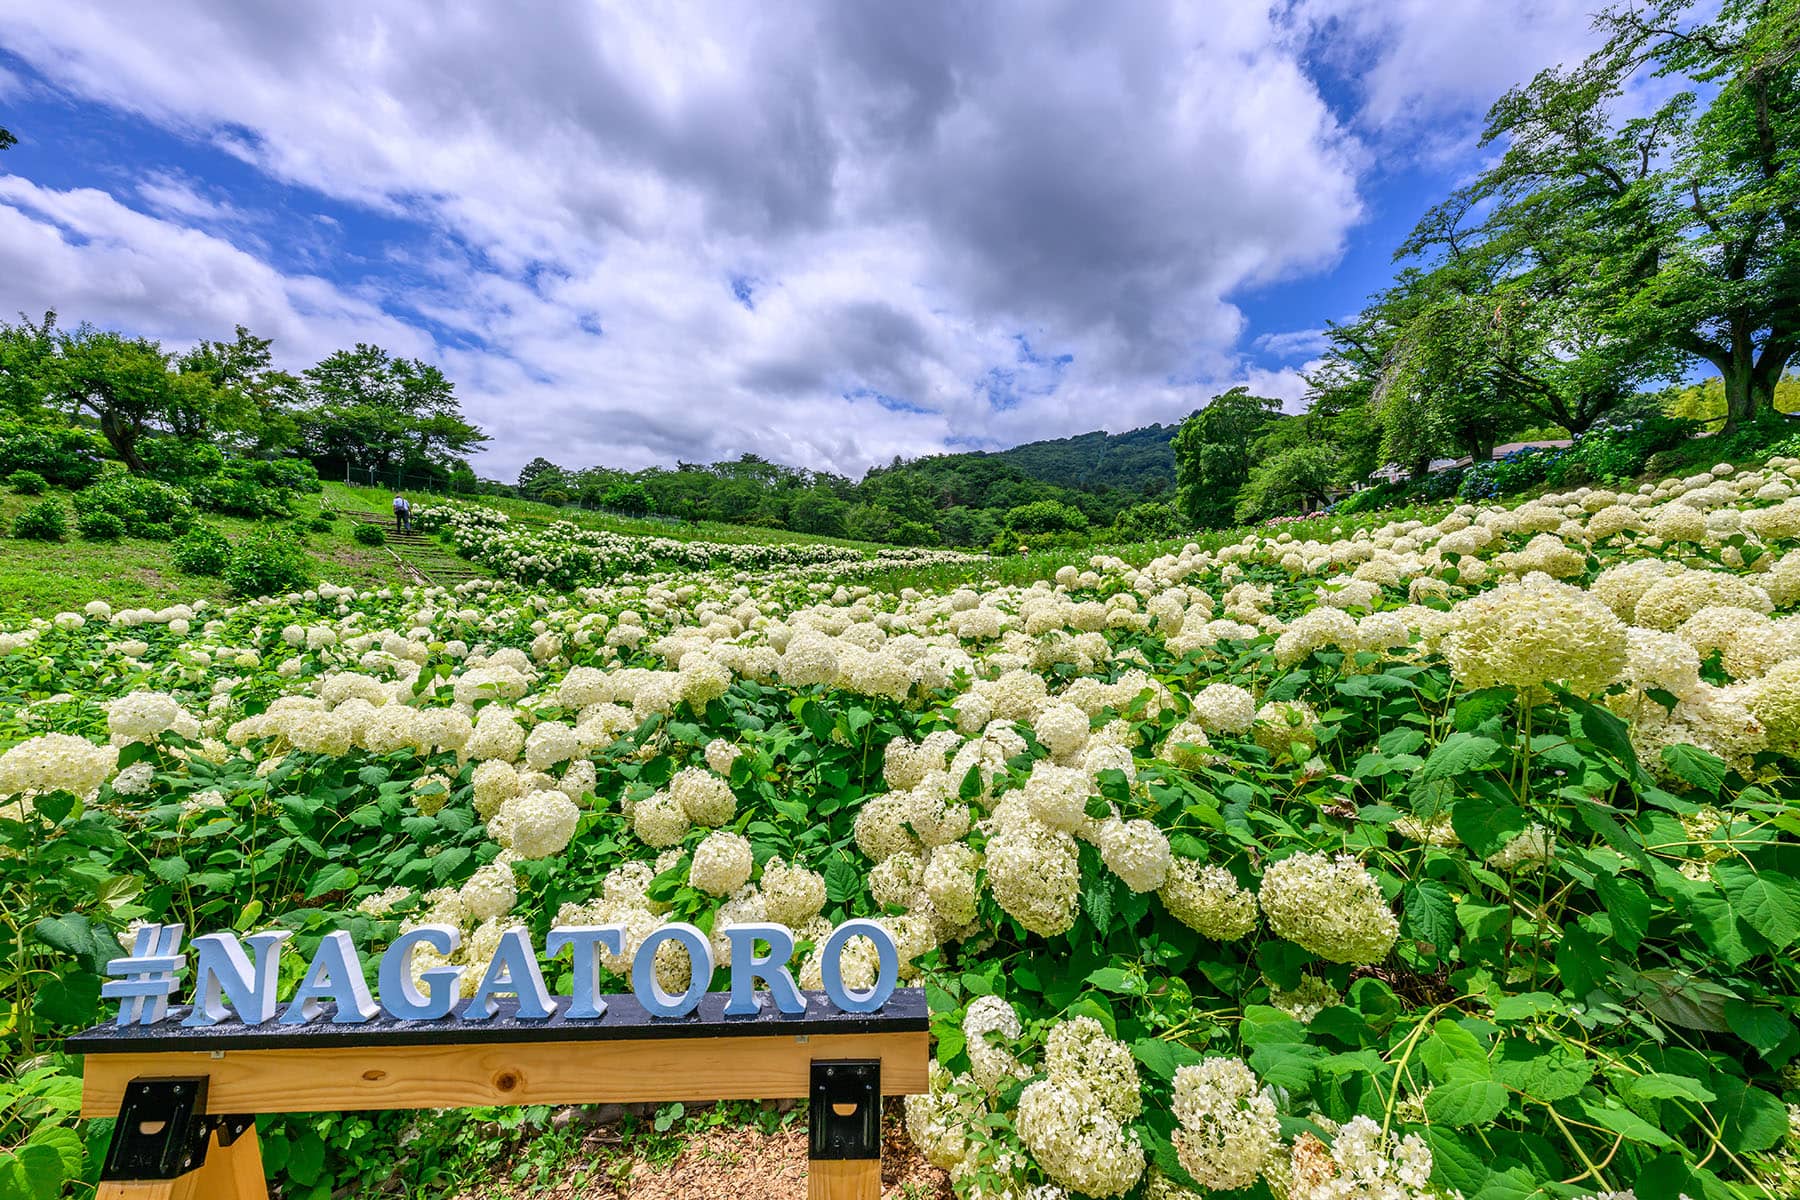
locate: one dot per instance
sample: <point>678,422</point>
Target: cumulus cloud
<point>1292,343</point>
<point>827,234</point>
<point>90,257</point>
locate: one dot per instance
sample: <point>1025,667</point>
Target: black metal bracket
<point>853,1085</point>
<point>163,1129</point>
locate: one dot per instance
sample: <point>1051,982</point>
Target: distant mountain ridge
<point>1099,460</point>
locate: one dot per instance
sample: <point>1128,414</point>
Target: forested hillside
<point>1138,462</point>
<point>1058,488</point>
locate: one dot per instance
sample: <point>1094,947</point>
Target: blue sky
<point>829,235</point>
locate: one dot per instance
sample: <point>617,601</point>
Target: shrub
<point>1148,522</point>
<point>267,563</point>
<point>178,460</point>
<point>369,535</point>
<point>1045,516</point>
<point>42,522</point>
<point>98,525</point>
<point>320,524</point>
<point>145,507</point>
<point>202,550</point>
<point>1514,473</point>
<point>27,483</point>
<point>71,458</point>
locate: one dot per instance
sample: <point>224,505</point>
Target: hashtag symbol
<point>144,980</point>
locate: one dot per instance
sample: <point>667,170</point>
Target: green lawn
<point>43,578</point>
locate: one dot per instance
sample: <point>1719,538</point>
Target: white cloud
<point>1416,62</point>
<point>90,257</point>
<point>1293,343</point>
<point>912,188</point>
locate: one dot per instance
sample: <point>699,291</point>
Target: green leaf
<point>1481,706</point>
<point>1450,1047</point>
<point>1456,755</point>
<point>1762,1026</point>
<point>70,1001</point>
<point>1455,1164</point>
<point>1526,1005</point>
<point>54,806</point>
<point>1290,1065</point>
<point>1695,767</point>
<point>1749,1118</point>
<point>43,1169</point>
<point>1161,1058</point>
<point>1546,1071</point>
<point>1768,901</point>
<point>169,870</point>
<point>66,1142</point>
<point>1116,981</point>
<point>306,1158</point>
<point>1719,928</point>
<point>1658,1086</point>
<point>1468,1097</point>
<point>1625,1123</point>
<point>1430,915</point>
<point>445,863</point>
<point>332,879</point>
<point>1485,824</point>
<point>842,880</point>
<point>1628,905</point>
<point>1605,730</point>
<point>1681,998</point>
<point>1667,1177</point>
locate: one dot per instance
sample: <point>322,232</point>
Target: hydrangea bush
<point>1430,860</point>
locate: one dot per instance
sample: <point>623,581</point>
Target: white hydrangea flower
<point>722,863</point>
<point>1332,907</point>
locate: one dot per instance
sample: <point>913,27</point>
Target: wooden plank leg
<point>843,1179</point>
<point>138,1189</point>
<point>233,1172</point>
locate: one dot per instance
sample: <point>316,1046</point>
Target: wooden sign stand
<point>185,1098</point>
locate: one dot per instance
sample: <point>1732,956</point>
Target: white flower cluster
<point>1332,907</point>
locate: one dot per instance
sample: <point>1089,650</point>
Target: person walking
<point>402,515</point>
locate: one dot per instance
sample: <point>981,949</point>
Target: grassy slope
<point>343,495</point>
<point>41,578</point>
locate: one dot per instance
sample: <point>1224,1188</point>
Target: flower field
<point>564,555</point>
<point>1417,860</point>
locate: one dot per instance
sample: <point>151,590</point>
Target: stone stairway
<point>420,555</point>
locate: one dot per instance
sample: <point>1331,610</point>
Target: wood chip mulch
<point>740,1163</point>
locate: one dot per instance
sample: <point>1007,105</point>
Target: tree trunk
<point>1767,373</point>
<point>1740,398</point>
<point>122,436</point>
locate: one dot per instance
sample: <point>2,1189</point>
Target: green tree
<point>369,409</point>
<point>870,523</point>
<point>818,510</point>
<point>124,383</point>
<point>27,366</point>
<point>626,496</point>
<point>1340,389</point>
<point>538,475</point>
<point>1148,522</point>
<point>1687,219</point>
<point>7,140</point>
<point>1213,453</point>
<point>1046,516</point>
<point>1300,476</point>
<point>253,405</point>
